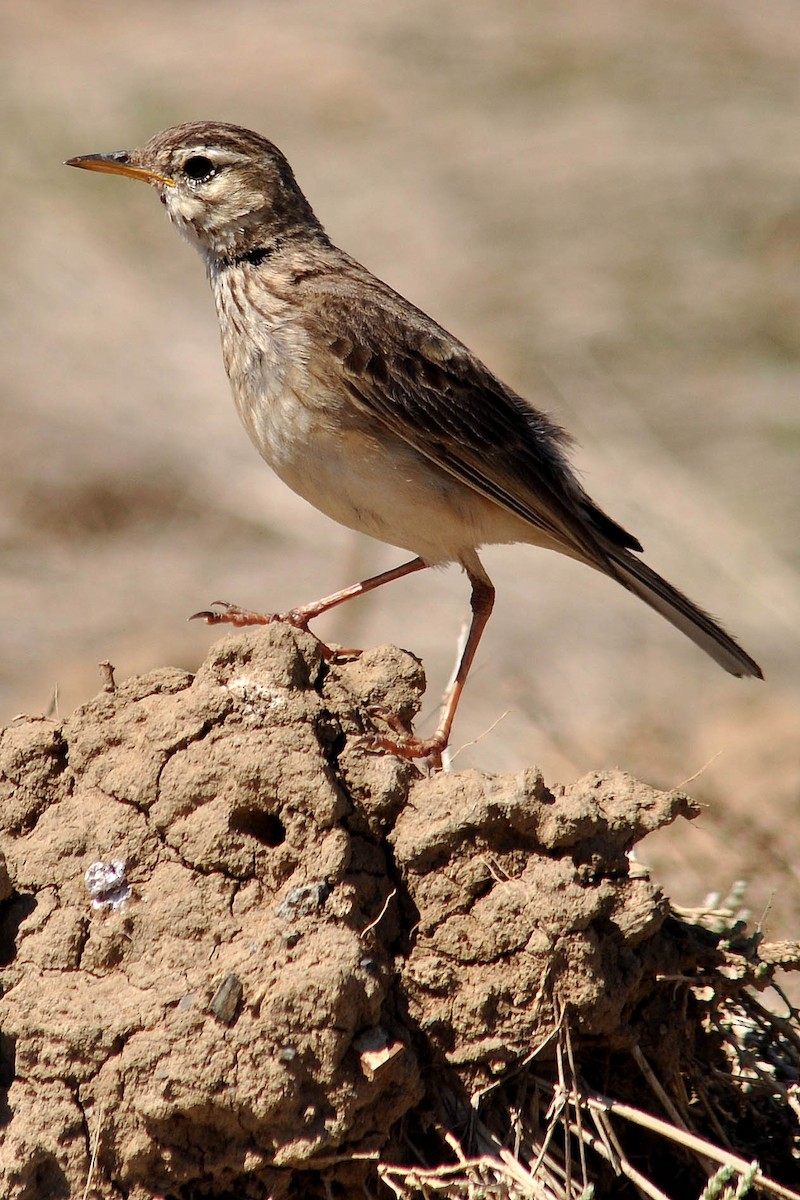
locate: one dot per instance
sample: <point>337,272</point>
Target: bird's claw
<point>223,613</point>
<point>232,614</point>
<point>403,743</point>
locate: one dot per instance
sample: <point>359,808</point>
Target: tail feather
<point>703,630</point>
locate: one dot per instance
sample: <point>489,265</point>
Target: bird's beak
<point>119,163</point>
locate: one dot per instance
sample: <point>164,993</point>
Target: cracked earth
<point>312,935</point>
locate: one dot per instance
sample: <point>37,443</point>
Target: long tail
<point>703,630</point>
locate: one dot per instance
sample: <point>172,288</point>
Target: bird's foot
<point>402,742</point>
<point>232,614</point>
<point>223,613</point>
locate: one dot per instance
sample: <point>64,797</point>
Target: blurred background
<point>602,199</point>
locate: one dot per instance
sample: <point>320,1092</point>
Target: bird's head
<point>229,190</point>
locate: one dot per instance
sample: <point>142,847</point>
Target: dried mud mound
<point>295,946</point>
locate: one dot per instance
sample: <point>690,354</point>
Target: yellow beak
<point>118,163</point>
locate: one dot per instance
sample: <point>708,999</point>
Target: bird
<point>370,410</point>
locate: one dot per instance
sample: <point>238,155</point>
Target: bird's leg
<point>231,614</point>
<point>406,744</point>
<point>301,616</point>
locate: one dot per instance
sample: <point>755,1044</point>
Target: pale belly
<point>368,481</point>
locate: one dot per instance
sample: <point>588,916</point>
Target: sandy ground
<point>601,199</point>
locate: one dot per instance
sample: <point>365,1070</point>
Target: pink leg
<point>231,614</point>
<point>403,742</point>
<point>406,744</point>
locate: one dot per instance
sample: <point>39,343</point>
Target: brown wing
<point>405,371</point>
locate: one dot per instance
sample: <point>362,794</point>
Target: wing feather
<point>403,370</point>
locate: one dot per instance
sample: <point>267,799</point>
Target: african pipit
<point>369,409</point>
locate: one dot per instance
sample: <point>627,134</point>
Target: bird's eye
<point>198,168</point>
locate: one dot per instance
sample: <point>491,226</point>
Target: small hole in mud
<point>263,826</point>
